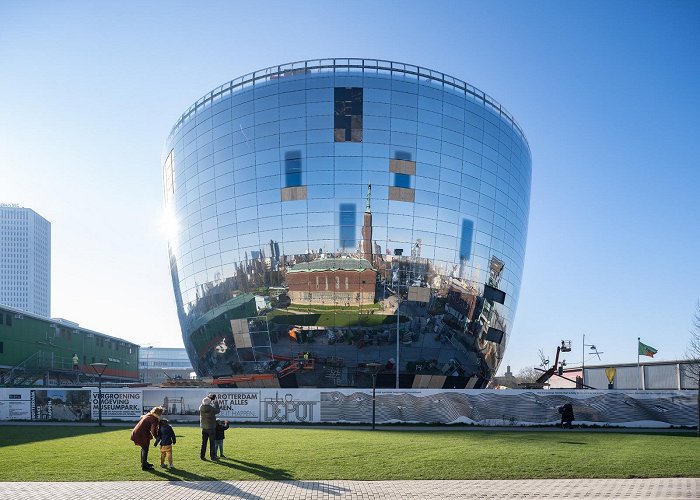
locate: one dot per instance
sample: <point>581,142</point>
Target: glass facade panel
<point>313,199</point>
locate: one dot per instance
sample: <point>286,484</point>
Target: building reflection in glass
<point>312,198</point>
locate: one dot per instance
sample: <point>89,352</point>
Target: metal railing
<point>365,66</point>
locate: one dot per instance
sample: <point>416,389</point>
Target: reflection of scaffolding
<point>300,362</point>
<point>251,337</point>
<point>333,374</point>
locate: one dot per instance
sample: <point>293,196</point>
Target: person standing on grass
<point>567,415</point>
<point>145,430</point>
<point>166,438</point>
<point>221,427</point>
<point>207,421</point>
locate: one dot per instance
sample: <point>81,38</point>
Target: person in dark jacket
<point>145,430</point>
<point>207,421</point>
<point>166,438</point>
<point>220,435</point>
<point>567,415</point>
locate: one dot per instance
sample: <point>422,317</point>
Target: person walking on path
<point>166,438</point>
<point>221,427</point>
<point>207,421</point>
<point>145,430</point>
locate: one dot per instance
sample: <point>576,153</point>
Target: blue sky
<point>606,93</point>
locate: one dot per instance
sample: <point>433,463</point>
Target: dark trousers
<point>208,435</point>
<point>144,455</point>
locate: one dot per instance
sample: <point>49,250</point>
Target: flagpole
<point>639,373</point>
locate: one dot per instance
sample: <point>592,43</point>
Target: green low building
<point>35,350</point>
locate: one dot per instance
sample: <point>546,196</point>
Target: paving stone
<point>666,488</point>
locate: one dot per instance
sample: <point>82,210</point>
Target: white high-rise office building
<point>25,260</point>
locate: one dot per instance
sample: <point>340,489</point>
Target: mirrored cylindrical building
<point>339,218</point>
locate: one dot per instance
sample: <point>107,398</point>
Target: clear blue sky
<point>606,92</point>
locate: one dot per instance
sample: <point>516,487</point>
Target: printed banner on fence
<point>71,405</point>
<point>239,406</point>
<point>183,404</point>
<point>295,405</point>
<point>15,404</point>
<point>429,406</point>
<point>123,404</point>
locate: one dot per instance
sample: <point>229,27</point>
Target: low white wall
<point>429,406</point>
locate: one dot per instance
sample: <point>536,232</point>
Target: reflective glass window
<point>321,190</point>
<point>264,170</point>
<point>426,197</point>
<point>348,122</point>
<point>376,136</point>
<point>267,222</point>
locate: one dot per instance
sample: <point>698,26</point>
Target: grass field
<point>58,453</point>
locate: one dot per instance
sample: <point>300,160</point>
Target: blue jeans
<point>219,448</point>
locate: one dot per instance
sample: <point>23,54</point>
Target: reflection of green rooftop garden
<point>332,318</point>
<point>317,308</point>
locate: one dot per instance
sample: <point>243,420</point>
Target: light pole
<point>398,335</point>
<point>99,369</point>
<point>148,359</point>
<point>583,358</point>
<point>375,369</point>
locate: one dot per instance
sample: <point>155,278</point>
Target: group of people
<point>153,426</point>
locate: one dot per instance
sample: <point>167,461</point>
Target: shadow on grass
<point>15,435</point>
<point>257,470</point>
<point>572,442</point>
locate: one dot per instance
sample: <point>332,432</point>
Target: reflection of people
<point>76,361</point>
<point>145,430</point>
<point>207,421</point>
<point>166,438</point>
<point>567,415</point>
<point>220,436</point>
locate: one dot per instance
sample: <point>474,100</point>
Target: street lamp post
<point>148,361</point>
<point>583,358</point>
<point>99,369</point>
<point>375,369</point>
<point>398,334</point>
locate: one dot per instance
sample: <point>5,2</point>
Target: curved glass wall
<point>337,218</point>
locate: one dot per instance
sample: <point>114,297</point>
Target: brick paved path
<point>371,490</point>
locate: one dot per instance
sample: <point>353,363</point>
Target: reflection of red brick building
<point>461,302</point>
<point>342,282</point>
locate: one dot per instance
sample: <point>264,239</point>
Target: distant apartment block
<point>25,260</point>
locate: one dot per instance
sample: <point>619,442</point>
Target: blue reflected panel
<point>347,214</point>
<point>292,168</point>
<point>465,241</point>
<point>402,180</point>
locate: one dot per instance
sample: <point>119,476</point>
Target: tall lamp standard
<point>374,367</point>
<point>99,369</point>
<point>148,361</point>
<point>583,359</point>
<point>398,335</point>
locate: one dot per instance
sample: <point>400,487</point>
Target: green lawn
<point>58,453</point>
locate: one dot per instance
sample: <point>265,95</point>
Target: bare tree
<point>527,375</point>
<point>693,368</point>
